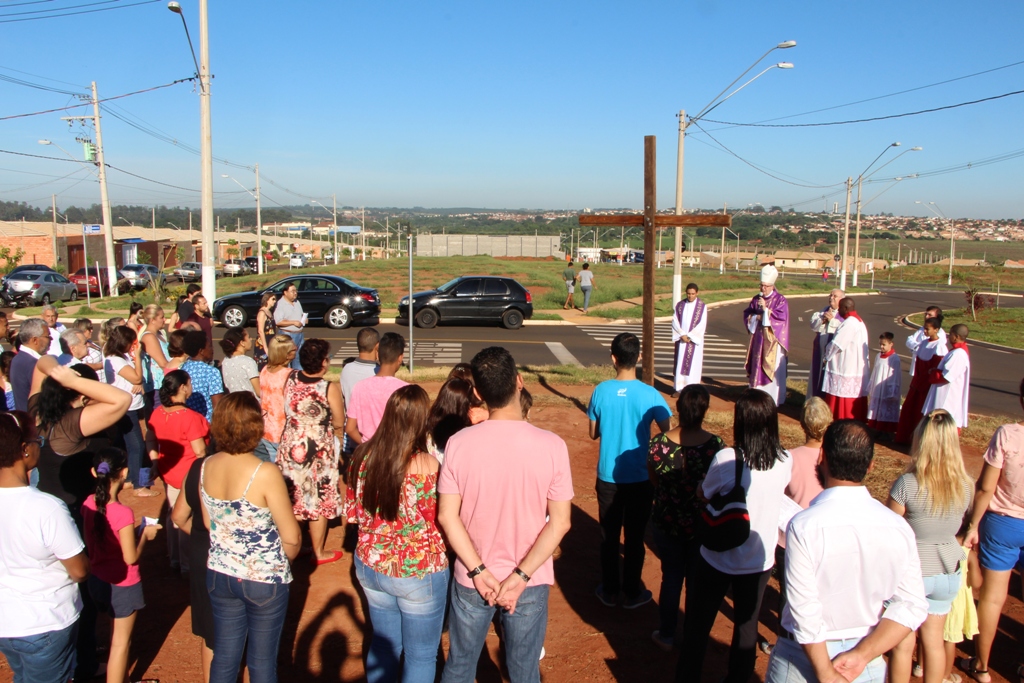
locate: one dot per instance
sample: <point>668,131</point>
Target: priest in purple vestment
<point>767,320</point>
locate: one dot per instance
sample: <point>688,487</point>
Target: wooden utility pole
<point>650,220</point>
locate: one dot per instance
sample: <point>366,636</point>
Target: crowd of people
<point>459,504</point>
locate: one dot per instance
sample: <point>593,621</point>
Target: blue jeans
<point>586,297</point>
<point>406,615</point>
<point>266,451</point>
<point>789,663</point>
<point>43,658</point>
<point>135,446</point>
<point>245,610</point>
<point>524,631</point>
<point>298,338</point>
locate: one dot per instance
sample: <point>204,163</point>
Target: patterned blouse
<point>244,541</point>
<point>678,473</point>
<point>409,547</point>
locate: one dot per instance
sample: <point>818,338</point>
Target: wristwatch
<point>522,575</point>
<point>476,572</point>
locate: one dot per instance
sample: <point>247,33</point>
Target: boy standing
<point>885,387</point>
<point>951,381</point>
<point>621,413</point>
<point>369,396</point>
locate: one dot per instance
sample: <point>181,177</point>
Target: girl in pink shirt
<point>114,581</point>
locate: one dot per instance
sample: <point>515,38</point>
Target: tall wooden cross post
<point>651,220</point>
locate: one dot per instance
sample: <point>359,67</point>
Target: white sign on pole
<point>92,229</point>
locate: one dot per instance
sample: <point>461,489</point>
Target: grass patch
<point>999,326</point>
<point>546,316</point>
<point>86,312</point>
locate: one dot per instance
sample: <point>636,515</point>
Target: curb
<point>902,320</point>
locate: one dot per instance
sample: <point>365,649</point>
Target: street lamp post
<point>334,219</point>
<point>259,217</point>
<point>677,269</point>
<point>206,144</point>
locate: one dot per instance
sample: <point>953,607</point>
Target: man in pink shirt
<point>505,502</point>
<point>370,395</point>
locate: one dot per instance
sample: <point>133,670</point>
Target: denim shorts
<point>118,601</point>
<point>939,591</point>
<point>266,451</point>
<point>1002,539</point>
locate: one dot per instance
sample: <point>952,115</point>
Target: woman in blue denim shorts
<point>933,496</point>
<point>997,527</point>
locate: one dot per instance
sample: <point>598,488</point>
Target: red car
<point>88,278</point>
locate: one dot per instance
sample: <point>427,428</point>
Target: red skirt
<point>847,408</point>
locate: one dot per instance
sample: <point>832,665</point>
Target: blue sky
<point>526,104</point>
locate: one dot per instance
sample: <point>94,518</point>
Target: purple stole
<point>698,312</point>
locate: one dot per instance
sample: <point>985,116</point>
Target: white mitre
<point>769,274</point>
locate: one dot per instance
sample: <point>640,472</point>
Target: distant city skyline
<point>532,105</point>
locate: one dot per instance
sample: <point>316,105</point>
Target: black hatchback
<point>471,299</point>
<point>335,301</point>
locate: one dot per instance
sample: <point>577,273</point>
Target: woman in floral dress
<point>266,328</point>
<point>307,456</point>
<point>678,461</point>
<point>400,555</point>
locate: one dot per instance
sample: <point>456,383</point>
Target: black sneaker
<point>606,600</point>
<point>632,603</point>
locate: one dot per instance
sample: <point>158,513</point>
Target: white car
<point>297,261</point>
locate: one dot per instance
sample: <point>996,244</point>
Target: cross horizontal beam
<point>661,220</point>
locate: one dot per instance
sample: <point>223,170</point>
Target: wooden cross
<point>651,220</point>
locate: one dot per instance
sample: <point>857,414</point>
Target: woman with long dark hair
<point>677,462</point>
<point>449,414</point>
<point>239,370</point>
<point>122,366</point>
<point>400,555</point>
<point>933,496</point>
<point>765,472</point>
<point>266,328</point>
<point>177,436</point>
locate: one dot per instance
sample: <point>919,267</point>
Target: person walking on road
<point>586,285</point>
<point>569,275</point>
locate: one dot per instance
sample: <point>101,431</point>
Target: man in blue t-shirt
<point>621,413</point>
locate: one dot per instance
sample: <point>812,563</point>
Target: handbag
<point>725,521</point>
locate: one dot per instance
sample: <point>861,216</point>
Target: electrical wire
<point>866,120</point>
<point>61,11</point>
<point>37,86</point>
<point>101,100</point>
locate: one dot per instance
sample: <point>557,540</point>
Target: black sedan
<point>334,300</point>
<point>474,298</point>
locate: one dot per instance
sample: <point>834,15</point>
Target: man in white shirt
<point>853,576</point>
<point>847,367</point>
<point>951,381</point>
<point>291,319</point>
<point>73,347</point>
<point>915,340</point>
<point>49,316</point>
<point>688,326</point>
<point>824,324</point>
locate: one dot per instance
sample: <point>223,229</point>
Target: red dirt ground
<point>326,626</point>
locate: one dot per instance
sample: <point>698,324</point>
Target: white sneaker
<point>543,652</point>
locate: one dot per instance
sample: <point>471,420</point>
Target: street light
<point>677,269</point>
<point>206,143</point>
<point>856,246</point>
<point>259,217</point>
<point>126,221</point>
<point>934,208</point>
<point>334,220</point>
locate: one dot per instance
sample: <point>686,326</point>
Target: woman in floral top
<point>677,462</point>
<point>400,556</point>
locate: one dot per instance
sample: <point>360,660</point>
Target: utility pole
<point>856,240</point>
<point>334,212</point>
<point>53,236</point>
<point>846,234</point>
<point>677,266</point>
<point>721,256</point>
<point>154,231</point>
<point>206,156</point>
<point>259,225</point>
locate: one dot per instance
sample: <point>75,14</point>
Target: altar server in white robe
<point>951,381</point>
<point>688,326</point>
<point>919,338</point>
<point>884,387</point>
<point>848,367</point>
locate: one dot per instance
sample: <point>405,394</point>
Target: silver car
<point>39,287</point>
<point>141,275</point>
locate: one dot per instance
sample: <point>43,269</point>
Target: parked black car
<point>335,301</point>
<point>473,298</point>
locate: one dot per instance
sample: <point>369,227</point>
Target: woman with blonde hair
<point>933,496</point>
<point>155,355</point>
<point>280,354</point>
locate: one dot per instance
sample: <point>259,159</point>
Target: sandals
<point>966,664</point>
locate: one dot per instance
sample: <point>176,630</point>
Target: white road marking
<point>562,354</point>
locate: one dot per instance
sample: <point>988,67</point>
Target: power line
<point>867,120</point>
<point>54,80</point>
<point>105,99</point>
<point>38,86</point>
<point>60,12</point>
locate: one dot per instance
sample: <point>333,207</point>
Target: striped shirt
<point>936,532</point>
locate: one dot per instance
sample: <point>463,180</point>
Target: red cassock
<point>845,408</point>
<point>910,413</point>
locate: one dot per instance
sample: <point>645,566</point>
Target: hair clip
<point>103,468</point>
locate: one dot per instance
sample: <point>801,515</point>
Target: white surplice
<point>915,341</point>
<point>884,389</point>
<point>696,335</point>
<point>953,396</point>
<point>777,387</point>
<point>847,361</point>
